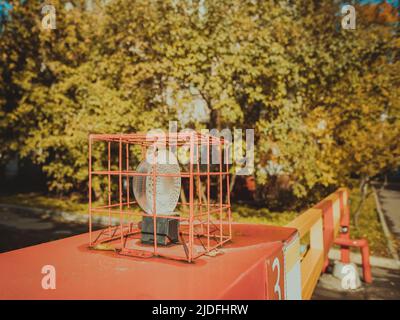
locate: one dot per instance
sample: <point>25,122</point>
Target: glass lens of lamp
<point>167,189</point>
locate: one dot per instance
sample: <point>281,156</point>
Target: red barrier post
<point>345,226</point>
<point>363,245</point>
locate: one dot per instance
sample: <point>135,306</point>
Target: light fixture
<point>154,221</point>
<point>160,167</point>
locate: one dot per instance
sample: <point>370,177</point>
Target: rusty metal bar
<point>192,224</point>
<point>127,177</point>
<point>154,202</point>
<point>220,191</point>
<point>208,194</point>
<point>120,190</point>
<point>228,196</point>
<point>90,190</point>
<point>109,185</point>
<point>191,200</point>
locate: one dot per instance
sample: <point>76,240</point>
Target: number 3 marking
<point>277,288</point>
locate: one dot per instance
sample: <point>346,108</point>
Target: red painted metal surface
<point>275,274</point>
<point>244,270</point>
<point>343,239</point>
<point>205,219</point>
<point>345,242</point>
<point>344,228</point>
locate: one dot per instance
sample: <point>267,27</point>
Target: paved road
<point>385,286</point>
<point>390,201</point>
<point>19,229</point>
<point>386,283</point>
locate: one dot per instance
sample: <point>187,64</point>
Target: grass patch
<point>249,214</point>
<point>241,213</point>
<point>46,202</point>
<point>369,227</point>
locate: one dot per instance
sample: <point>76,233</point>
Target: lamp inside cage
<point>155,205</point>
<point>160,167</point>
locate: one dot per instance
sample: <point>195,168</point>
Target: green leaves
<point>324,102</point>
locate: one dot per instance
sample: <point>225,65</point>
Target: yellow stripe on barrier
<point>310,222</point>
<point>292,254</point>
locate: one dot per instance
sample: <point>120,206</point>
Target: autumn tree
<point>35,62</point>
<point>323,101</point>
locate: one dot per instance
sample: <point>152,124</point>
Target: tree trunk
<point>202,193</point>
<point>364,190</point>
<point>183,199</point>
<point>231,186</point>
<point>384,182</point>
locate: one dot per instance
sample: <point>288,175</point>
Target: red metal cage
<point>204,218</point>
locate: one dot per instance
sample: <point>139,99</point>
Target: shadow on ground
<point>19,229</point>
<point>385,286</point>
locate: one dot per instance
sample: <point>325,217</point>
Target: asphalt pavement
<point>386,282</point>
<point>390,202</point>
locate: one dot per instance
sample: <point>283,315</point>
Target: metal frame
<point>204,220</point>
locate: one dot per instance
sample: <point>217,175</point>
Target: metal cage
<point>204,218</point>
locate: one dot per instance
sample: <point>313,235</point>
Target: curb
<point>385,227</point>
<point>380,262</point>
